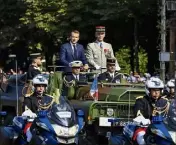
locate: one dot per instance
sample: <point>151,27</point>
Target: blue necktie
<point>75,51</point>
<point>101,45</point>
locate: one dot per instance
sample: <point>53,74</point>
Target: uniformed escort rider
<point>170,89</point>
<point>34,68</point>
<point>151,104</point>
<point>111,75</point>
<point>36,101</point>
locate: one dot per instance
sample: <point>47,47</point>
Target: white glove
<point>29,113</point>
<point>141,119</point>
<point>97,67</point>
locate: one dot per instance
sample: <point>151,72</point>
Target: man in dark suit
<point>110,76</point>
<point>72,51</point>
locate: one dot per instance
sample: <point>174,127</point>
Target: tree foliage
<point>143,60</point>
<point>123,57</point>
<point>42,25</point>
<point>10,27</point>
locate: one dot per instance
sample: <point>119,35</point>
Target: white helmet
<point>40,80</point>
<point>170,84</point>
<point>153,83</point>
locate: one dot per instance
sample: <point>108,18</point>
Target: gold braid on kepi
<point>68,84</point>
<point>46,106</point>
<point>160,110</point>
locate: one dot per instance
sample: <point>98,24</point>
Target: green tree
<point>123,57</point>
<point>143,60</point>
<point>10,26</point>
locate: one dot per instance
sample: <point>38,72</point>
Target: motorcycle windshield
<point>63,113</point>
<point>171,116</point>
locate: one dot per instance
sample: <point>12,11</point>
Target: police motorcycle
<point>59,125</point>
<point>161,131</point>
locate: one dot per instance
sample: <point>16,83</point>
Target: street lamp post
<point>163,37</point>
<point>13,56</point>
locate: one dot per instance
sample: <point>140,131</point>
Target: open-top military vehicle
<point>115,101</point>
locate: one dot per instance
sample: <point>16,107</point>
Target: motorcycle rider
<point>170,89</point>
<point>36,101</point>
<point>149,105</point>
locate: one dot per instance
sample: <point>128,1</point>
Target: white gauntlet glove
<point>29,113</point>
<point>142,120</point>
<point>97,67</point>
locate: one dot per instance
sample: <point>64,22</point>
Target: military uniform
<point>36,103</point>
<point>33,70</point>
<point>98,52</point>
<point>106,77</point>
<point>148,107</point>
<point>71,79</point>
<point>110,77</point>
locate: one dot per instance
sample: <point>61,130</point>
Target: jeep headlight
<point>110,111</point>
<point>64,131</point>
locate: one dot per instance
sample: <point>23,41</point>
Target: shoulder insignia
<point>165,98</point>
<point>139,97</point>
<point>28,95</point>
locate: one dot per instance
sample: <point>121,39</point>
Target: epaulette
<point>139,97</point>
<point>165,97</point>
<point>28,95</point>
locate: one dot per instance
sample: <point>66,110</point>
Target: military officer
<point>70,80</point>
<point>75,75</point>
<point>110,76</point>
<point>34,68</point>
<point>97,52</point>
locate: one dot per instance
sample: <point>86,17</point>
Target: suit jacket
<point>97,56</point>
<point>67,55</point>
<point>105,77</point>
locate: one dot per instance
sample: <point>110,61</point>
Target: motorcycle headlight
<point>110,111</point>
<point>64,131</point>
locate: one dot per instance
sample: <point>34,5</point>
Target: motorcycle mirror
<point>42,113</point>
<point>80,113</point>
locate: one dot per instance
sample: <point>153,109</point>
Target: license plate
<point>66,141</point>
<point>103,121</point>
